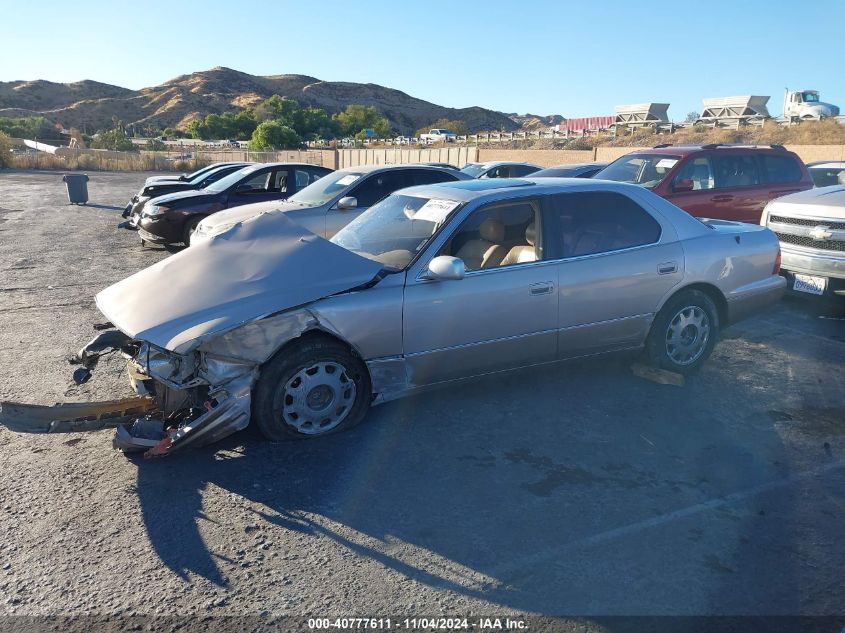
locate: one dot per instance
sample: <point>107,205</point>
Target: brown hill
<point>175,103</point>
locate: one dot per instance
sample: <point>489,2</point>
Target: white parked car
<point>438,135</point>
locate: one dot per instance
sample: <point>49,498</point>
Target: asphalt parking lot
<point>580,489</point>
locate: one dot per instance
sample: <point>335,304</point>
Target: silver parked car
<point>499,169</point>
<point>332,202</point>
<point>270,322</point>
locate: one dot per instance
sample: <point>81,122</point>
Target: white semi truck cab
<point>805,104</point>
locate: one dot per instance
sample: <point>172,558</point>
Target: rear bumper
<point>755,298</point>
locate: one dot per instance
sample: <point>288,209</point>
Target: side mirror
<point>684,184</point>
<point>445,267</point>
<point>347,202</point>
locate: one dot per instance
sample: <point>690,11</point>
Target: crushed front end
<point>183,400</point>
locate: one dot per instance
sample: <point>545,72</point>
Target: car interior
<point>498,236</point>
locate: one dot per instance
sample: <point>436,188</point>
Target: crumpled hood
<point>265,265</point>
<point>244,212</point>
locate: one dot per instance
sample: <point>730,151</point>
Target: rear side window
<point>780,168</point>
<point>598,222</point>
<point>521,170</point>
<point>430,176</point>
<point>735,170</point>
<point>824,177</point>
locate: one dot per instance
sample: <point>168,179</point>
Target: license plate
<point>810,284</point>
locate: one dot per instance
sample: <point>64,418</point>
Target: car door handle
<point>541,288</point>
<point>722,198</point>
<point>667,268</point>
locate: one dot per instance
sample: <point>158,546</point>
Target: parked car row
<point>343,289</point>
<point>443,280</point>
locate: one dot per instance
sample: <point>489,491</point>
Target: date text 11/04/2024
<point>503,624</point>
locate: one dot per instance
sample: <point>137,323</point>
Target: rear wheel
<point>314,387</point>
<point>684,332</point>
<point>190,227</point>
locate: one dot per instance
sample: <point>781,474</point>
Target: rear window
<point>780,168</point>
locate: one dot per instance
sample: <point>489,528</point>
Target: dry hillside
<point>175,103</point>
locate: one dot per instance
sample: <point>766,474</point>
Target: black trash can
<point>77,188</point>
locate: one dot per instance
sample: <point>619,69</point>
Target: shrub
<point>5,150</point>
<point>87,161</point>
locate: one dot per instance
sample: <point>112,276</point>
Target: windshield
<point>394,230</point>
<point>473,169</point>
<point>640,169</point>
<point>325,189</point>
<point>811,97</point>
<point>232,179</point>
<point>205,174</point>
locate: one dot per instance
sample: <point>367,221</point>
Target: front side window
<point>735,170</point>
<point>497,235</point>
<point>280,181</point>
<point>377,186</point>
<point>257,183</point>
<point>699,171</point>
<point>647,170</point>
<point>473,170</point>
<point>589,223</point>
<point>394,230</point>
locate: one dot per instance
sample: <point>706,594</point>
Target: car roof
<point>500,188</point>
<point>368,169</point>
<point>497,163</point>
<point>835,164</point>
<point>249,168</point>
<point>685,150</point>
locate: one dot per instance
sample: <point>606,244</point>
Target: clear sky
<point>571,58</point>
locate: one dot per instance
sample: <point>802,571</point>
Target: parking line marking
<point>625,530</point>
<point>802,333</point>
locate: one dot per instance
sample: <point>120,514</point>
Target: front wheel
<point>314,387</point>
<point>684,332</point>
<point>190,227</point>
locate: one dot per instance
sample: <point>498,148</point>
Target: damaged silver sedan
<point>265,321</point>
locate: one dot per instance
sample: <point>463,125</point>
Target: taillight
<point>776,270</point>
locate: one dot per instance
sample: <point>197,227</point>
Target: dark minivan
<point>725,182</point>
<point>172,218</point>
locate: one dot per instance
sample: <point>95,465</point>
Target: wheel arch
<point>712,291</point>
<point>317,333</point>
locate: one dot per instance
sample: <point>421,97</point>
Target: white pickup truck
<point>437,135</point>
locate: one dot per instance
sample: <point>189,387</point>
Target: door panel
<point>607,301</point>
<point>488,321</point>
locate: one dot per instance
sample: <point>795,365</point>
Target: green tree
<point>28,127</point>
<point>357,118</point>
<point>155,145</point>
<point>5,150</point>
<point>456,126</point>
<point>114,139</point>
<point>272,135</point>
<point>277,108</point>
<point>691,117</point>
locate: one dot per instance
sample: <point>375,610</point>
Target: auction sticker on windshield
<point>348,180</point>
<point>436,210</point>
<point>666,163</point>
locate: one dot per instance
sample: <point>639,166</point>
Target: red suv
<point>726,182</point>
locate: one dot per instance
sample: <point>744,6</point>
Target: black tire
<point>670,341</point>
<point>272,409</point>
<point>190,227</point>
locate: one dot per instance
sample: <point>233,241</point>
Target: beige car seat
<point>524,252</point>
<point>487,251</point>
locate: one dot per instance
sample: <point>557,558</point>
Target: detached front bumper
<point>188,405</point>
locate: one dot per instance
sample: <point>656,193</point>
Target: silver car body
<point>326,218</point>
<point>209,317</point>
